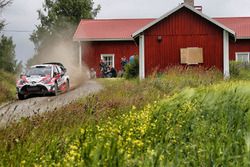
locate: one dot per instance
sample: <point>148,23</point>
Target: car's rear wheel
<point>21,96</point>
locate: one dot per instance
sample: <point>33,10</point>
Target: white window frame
<point>109,55</point>
<point>237,53</point>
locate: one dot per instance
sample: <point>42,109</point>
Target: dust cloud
<point>65,51</point>
<point>67,54</point>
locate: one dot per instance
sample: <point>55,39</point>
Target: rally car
<point>43,79</point>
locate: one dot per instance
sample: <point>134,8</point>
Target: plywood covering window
<point>109,59</point>
<point>192,55</point>
<point>242,56</point>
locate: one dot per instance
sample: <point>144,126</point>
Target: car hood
<point>35,78</point>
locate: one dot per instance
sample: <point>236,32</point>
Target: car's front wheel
<point>56,90</point>
<point>21,96</point>
<point>67,85</point>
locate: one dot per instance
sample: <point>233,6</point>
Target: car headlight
<point>21,82</point>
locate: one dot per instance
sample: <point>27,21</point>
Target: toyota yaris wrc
<point>43,79</point>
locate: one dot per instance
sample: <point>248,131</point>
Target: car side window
<point>59,69</point>
<point>55,70</point>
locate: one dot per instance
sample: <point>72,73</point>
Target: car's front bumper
<point>38,88</point>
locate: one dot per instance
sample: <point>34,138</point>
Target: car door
<point>60,80</point>
<point>56,75</point>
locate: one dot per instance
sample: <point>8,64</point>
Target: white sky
<point>22,15</point>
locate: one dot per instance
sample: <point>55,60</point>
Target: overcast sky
<point>22,15</point>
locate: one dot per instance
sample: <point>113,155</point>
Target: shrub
<point>234,67</point>
<point>240,70</point>
<point>176,78</point>
<point>132,69</point>
<point>7,87</point>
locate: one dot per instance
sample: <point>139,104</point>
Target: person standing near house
<point>132,59</point>
<point>92,73</point>
<point>103,68</point>
<point>113,72</point>
<point>123,62</point>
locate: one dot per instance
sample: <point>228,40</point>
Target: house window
<point>243,56</point>
<point>109,59</point>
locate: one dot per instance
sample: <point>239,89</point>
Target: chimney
<point>189,2</point>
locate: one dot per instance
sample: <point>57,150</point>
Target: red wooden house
<point>159,42</point>
<point>108,39</point>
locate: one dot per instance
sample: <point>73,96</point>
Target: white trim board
<point>141,57</point>
<point>226,54</point>
<point>80,53</point>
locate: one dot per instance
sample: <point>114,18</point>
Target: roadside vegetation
<point>239,70</point>
<point>9,66</point>
<point>7,87</point>
<point>183,117</point>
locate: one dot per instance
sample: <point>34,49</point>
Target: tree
<point>3,3</point>
<point>7,54</point>
<point>58,21</point>
<point>7,47</point>
<point>19,67</point>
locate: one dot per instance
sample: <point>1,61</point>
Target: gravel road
<point>36,105</point>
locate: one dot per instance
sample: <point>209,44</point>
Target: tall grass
<point>240,70</point>
<point>7,87</point>
<point>182,118</point>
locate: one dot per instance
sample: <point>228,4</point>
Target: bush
<point>176,78</point>
<point>132,69</point>
<point>240,70</point>
<point>7,87</point>
<point>234,67</point>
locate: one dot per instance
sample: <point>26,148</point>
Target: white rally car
<point>48,78</point>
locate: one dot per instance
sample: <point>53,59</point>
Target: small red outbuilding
<point>160,42</point>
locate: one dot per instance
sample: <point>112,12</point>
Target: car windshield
<point>39,70</point>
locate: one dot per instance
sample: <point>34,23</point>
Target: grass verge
<point>7,87</point>
<point>183,118</point>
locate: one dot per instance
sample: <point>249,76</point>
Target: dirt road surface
<point>37,105</point>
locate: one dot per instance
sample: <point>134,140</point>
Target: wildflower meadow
<point>170,120</point>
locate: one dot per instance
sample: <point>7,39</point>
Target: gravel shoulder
<point>37,105</point>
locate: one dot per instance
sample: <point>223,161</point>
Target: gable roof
<point>121,29</point>
<point>176,9</point>
<point>108,29</point>
<point>241,25</point>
